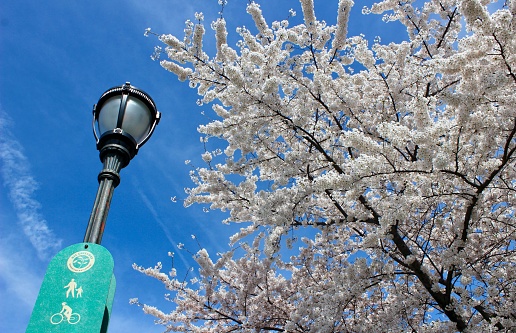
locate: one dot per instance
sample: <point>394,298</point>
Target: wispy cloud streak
<point>20,185</point>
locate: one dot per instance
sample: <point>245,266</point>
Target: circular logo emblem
<point>81,261</point>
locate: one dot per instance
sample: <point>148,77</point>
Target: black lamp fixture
<point>124,119</point>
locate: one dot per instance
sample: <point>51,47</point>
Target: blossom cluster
<point>400,156</point>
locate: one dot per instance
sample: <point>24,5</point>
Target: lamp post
<point>77,293</point>
<point>123,120</point>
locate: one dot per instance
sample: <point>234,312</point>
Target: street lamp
<point>77,293</point>
<point>124,118</point>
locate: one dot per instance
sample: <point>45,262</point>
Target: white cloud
<point>20,279</point>
<point>20,185</point>
<point>18,276</point>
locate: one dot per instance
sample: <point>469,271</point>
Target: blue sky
<point>56,58</point>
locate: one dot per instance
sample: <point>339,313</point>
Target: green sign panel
<point>77,292</point>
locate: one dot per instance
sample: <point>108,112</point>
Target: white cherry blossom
<point>400,157</point>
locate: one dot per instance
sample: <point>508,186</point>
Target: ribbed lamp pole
<point>124,118</point>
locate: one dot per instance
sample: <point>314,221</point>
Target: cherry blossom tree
<point>399,157</point>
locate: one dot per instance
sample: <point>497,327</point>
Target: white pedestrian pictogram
<point>71,288</point>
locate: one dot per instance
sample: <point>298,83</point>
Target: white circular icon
<point>81,261</point>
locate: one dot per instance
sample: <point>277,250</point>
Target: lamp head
<point>124,119</point>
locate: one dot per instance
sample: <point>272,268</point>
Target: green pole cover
<point>77,292</point>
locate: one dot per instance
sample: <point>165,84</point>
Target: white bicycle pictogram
<point>57,318</point>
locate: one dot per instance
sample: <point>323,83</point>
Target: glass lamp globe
<point>124,116</point>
